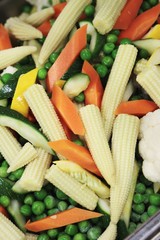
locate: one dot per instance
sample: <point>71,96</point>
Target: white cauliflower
<point>39,3</point>
<point>149,145</point>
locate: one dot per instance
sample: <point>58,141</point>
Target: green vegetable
<point>138,198</point>
<point>61,195</point>
<point>26,210</point>
<point>6,77</point>
<point>107,61</point>
<point>102,70</point>
<point>84,226</point>
<point>4,201</point>
<point>108,48</point>
<point>3,172</point>
<point>94,232</point>
<point>71,229</point>
<point>152,210</point>
<point>140,188</point>
<point>42,73</point>
<point>52,233</point>
<point>80,236</point>
<point>89,10</point>
<point>125,41</point>
<point>38,207</point>
<point>43,236</point>
<point>53,57</point>
<point>40,195</point>
<point>62,205</point>
<point>64,236</point>
<point>139,208</point>
<point>111,38</point>
<point>29,199</point>
<point>80,98</point>
<point>86,54</point>
<point>50,202</point>
<point>154,199</point>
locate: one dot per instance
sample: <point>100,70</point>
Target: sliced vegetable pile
<point>79,119</point>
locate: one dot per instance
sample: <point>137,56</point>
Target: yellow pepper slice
<point>24,82</point>
<point>153,33</point>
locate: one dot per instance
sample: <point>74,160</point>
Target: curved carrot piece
<point>128,14</point>
<point>94,92</point>
<point>45,27</point>
<point>5,42</point>
<point>58,8</point>
<point>137,107</point>
<point>61,219</point>
<point>3,211</point>
<point>75,153</point>
<point>67,56</point>
<point>67,110</point>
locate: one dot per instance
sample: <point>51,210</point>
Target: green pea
<point>80,98</point>
<point>144,217</point>
<point>89,10</point>
<point>38,207</point>
<point>107,61</point>
<point>85,54</point>
<point>111,38</point>
<point>64,236</point>
<point>41,40</point>
<point>18,173</point>
<point>62,205</point>
<point>27,8</point>
<point>4,164</point>
<point>41,216</point>
<point>6,77</point>
<point>153,2</point>
<point>48,65</point>
<point>72,201</point>
<point>102,70</point>
<point>80,236</point>
<point>29,199</point>
<point>93,233</point>
<point>12,177</point>
<point>3,172</point>
<point>26,210</point>
<point>146,198</point>
<point>53,233</point>
<point>42,73</point>
<point>71,229</point>
<point>43,236</point>
<point>78,142</point>
<point>152,210</point>
<point>61,195</point>
<point>40,195</point>
<point>115,32</point>
<point>53,211</point>
<point>143,53</point>
<point>139,208</point>
<point>145,6</point>
<point>108,48</point>
<point>53,57</point>
<point>50,202</point>
<point>135,217</point>
<point>154,199</point>
<point>140,188</point>
<point>84,226</point>
<point>138,198</point>
<point>132,227</point>
<point>145,181</point>
<point>114,53</point>
<point>149,190</point>
<point>4,201</point>
<point>125,41</point>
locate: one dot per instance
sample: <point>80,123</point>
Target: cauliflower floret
<point>149,145</point>
<point>39,3</point>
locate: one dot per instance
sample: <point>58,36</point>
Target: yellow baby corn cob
<point>9,146</point>
<point>9,231</point>
<point>23,16</point>
<point>44,112</point>
<point>30,236</point>
<point>34,173</point>
<point>99,5</point>
<point>97,141</point>
<point>35,55</point>
<point>140,66</point>
<point>70,186</point>
<point>107,15</point>
<point>149,79</point>
<point>83,176</point>
<point>24,156</point>
<point>13,55</point>
<point>125,133</point>
<point>22,30</point>
<point>62,26</point>
<point>116,84</point>
<point>39,17</point>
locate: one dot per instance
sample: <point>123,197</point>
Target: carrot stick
<point>128,14</point>
<point>3,211</point>
<point>58,8</point>
<point>94,92</point>
<point>5,42</point>
<point>67,110</point>
<point>67,56</point>
<point>137,107</point>
<point>75,153</point>
<point>45,27</point>
<point>61,219</point>
<point>141,24</point>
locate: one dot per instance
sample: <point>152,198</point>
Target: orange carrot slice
<point>58,8</point>
<point>45,27</point>
<point>5,42</point>
<point>136,107</point>
<point>94,92</point>
<point>67,110</point>
<point>67,57</point>
<point>3,211</point>
<point>75,153</point>
<point>61,219</point>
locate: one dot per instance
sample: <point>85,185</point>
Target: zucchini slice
<point>16,121</point>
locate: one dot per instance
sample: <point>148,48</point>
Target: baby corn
<point>13,55</point>
<point>107,15</point>
<point>9,146</point>
<point>149,79</point>
<point>24,156</point>
<point>97,141</point>
<point>116,84</point>
<point>125,133</point>
<point>35,55</point>
<point>39,17</point>
<point>22,30</point>
<point>9,231</point>
<point>62,26</point>
<point>83,176</point>
<point>70,186</point>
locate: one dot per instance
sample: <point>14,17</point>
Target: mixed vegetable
<point>79,119</point>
